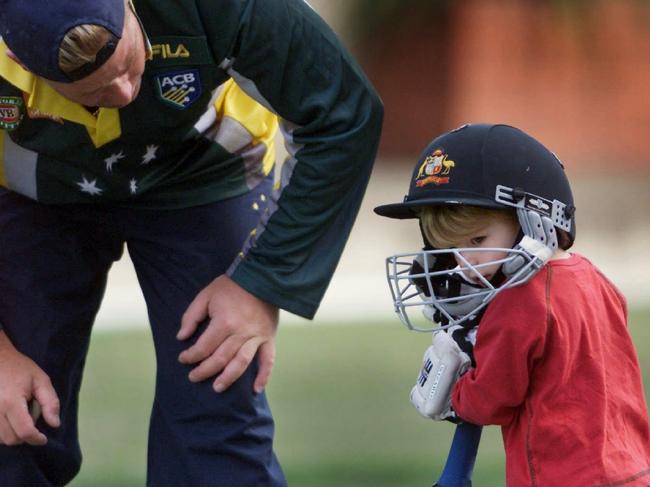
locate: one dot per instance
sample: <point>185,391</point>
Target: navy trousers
<point>54,262</point>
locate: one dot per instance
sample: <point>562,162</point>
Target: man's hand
<point>240,326</point>
<point>24,386</point>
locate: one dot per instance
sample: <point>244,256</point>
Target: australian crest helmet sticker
<point>12,109</point>
<point>435,169</point>
<point>179,88</point>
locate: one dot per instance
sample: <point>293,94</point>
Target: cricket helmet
<point>490,166</point>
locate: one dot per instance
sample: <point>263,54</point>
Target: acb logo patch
<point>11,111</point>
<point>179,88</point>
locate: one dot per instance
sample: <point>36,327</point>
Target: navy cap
<point>34,29</point>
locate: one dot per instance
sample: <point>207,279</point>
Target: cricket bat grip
<point>462,455</point>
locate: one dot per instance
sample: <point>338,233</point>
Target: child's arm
<point>23,382</point>
<point>510,340</point>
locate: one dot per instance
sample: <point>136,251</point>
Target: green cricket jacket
<point>220,80</point>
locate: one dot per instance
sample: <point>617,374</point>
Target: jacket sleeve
<point>285,57</point>
<point>509,342</point>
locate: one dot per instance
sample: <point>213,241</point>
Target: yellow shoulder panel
<point>42,97</point>
<point>262,124</point>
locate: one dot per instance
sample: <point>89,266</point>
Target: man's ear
<point>15,59</point>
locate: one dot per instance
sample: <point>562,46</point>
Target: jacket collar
<point>39,95</point>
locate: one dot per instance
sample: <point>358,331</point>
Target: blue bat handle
<point>462,454</point>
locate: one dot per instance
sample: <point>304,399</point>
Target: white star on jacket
<point>150,155</point>
<point>89,187</point>
<point>113,159</point>
<point>133,186</point>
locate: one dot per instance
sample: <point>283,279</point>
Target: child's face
<point>498,232</point>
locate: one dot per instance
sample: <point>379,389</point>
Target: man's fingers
<point>45,396</point>
<point>7,435</point>
<point>196,312</point>
<point>235,314</point>
<point>35,410</point>
<point>266,359</point>
<point>237,365</point>
<point>216,362</point>
<point>23,426</point>
<point>211,338</point>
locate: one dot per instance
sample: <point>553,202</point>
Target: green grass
<point>339,395</point>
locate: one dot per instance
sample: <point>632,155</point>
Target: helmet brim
<point>409,209</point>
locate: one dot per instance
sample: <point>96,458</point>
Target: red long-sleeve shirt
<point>556,368</point>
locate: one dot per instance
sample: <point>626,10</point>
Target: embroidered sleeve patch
<point>12,109</point>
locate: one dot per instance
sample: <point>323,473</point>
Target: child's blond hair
<point>445,226</point>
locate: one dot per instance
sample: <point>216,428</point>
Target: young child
<point>555,366</point>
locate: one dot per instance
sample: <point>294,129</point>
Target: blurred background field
<point>339,394</point>
<point>572,73</point>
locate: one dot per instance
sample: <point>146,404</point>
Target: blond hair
<point>81,45</point>
<point>445,226</point>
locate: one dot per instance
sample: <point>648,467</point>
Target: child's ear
<point>15,59</point>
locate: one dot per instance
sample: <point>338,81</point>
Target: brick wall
<point>577,79</point>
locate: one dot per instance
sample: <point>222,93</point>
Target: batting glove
<point>442,364</point>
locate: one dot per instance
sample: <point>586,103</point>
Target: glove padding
<point>443,363</point>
